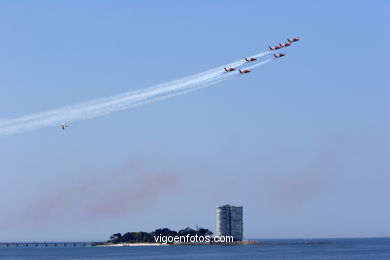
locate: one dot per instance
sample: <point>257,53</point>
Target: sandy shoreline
<point>238,243</point>
<point>176,244</point>
<point>129,244</point>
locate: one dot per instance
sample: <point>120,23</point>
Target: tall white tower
<point>229,221</point>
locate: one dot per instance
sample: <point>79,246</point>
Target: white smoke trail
<point>206,84</point>
<point>111,104</point>
<point>257,64</point>
<point>133,94</point>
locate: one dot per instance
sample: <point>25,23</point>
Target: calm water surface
<point>368,248</point>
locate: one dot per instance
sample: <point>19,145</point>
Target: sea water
<point>354,248</point>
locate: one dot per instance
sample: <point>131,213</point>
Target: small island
<point>186,236</point>
<point>160,237</point>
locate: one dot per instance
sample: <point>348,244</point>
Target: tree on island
<point>136,237</point>
<point>203,232</point>
<point>165,232</point>
<point>115,237</point>
<point>187,231</point>
<point>192,232</point>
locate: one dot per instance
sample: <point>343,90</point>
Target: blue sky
<point>301,143</point>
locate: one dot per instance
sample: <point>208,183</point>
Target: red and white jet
<point>293,40</point>
<point>250,59</point>
<point>245,71</point>
<point>229,69</point>
<point>279,55</point>
<point>286,44</point>
<point>275,48</point>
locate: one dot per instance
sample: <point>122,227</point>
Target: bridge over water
<point>47,244</point>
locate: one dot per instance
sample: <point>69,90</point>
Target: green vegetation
<point>140,237</point>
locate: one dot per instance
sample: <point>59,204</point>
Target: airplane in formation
<point>244,71</point>
<point>229,69</point>
<point>279,55</point>
<point>277,47</point>
<point>250,59</point>
<point>283,45</point>
<point>293,40</point>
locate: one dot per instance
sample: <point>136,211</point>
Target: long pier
<point>47,244</point>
